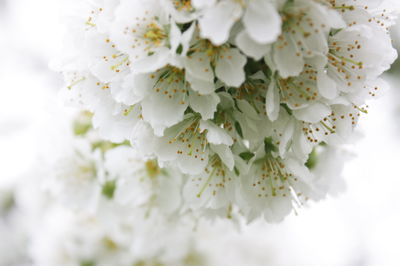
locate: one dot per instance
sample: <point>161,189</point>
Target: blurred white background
<point>359,228</point>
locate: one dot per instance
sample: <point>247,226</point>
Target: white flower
<point>222,13</point>
<point>372,89</point>
<point>367,12</point>
<point>104,61</point>
<point>114,120</point>
<point>141,183</point>
<point>213,188</point>
<point>126,170</point>
<point>204,59</point>
<point>335,128</point>
<point>326,164</point>
<point>357,54</point>
<point>74,176</point>
<point>300,93</point>
<point>244,112</point>
<point>111,235</point>
<point>273,185</point>
<point>187,145</point>
<point>165,95</point>
<point>143,30</point>
<point>261,20</point>
<point>182,11</point>
<point>250,47</point>
<point>304,35</point>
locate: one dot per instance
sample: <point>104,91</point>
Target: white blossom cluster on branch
<point>232,97</point>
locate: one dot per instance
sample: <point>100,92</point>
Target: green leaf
<point>81,129</point>
<point>334,32</point>
<point>7,203</point>
<point>246,155</point>
<point>312,160</point>
<point>82,124</point>
<point>239,129</point>
<point>236,171</point>
<point>87,263</point>
<point>286,107</point>
<point>184,27</point>
<point>179,49</point>
<point>269,146</point>
<point>109,189</point>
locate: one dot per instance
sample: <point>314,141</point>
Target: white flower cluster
<point>37,230</point>
<point>90,202</point>
<point>112,236</point>
<point>89,174</point>
<point>233,94</point>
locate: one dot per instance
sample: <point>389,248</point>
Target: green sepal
<point>108,189</point>
<point>246,155</point>
<point>269,146</point>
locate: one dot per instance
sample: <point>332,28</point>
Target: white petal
<point>287,136</point>
<point>133,89</point>
<point>268,59</point>
<point>132,191</point>
<point>113,125</point>
<point>206,105</point>
<point>301,146</point>
<point>229,68</point>
<point>288,60</point>
<point>278,209</point>
<point>191,192</point>
<point>164,150</point>
<point>175,36</point>
<point>295,166</point>
<point>318,61</point>
<point>161,112</point>
<point>142,138</point>
<point>335,20</point>
<point>169,196</point>
<point>247,109</point>
<point>225,154</point>
<point>218,20</point>
<point>200,85</point>
<point>215,134</point>
<point>203,3</point>
<point>103,71</point>
<point>151,63</point>
<point>186,37</point>
<point>198,66</point>
<point>262,21</point>
<point>313,113</point>
<point>326,85</point>
<point>190,154</point>
<point>226,100</point>
<point>272,102</point>
<point>190,165</point>
<point>250,47</point>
